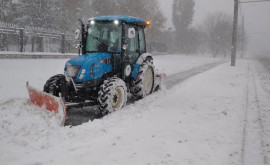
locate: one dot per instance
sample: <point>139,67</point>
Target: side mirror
<point>77,34</point>
<point>131,33</point>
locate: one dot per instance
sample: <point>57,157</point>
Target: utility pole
<point>243,38</point>
<point>234,37</point>
<point>235,22</point>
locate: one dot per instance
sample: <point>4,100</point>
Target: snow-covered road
<point>220,116</point>
<point>177,78</point>
<point>77,116</point>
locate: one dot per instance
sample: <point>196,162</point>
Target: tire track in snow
<point>253,130</point>
<point>245,117</point>
<point>260,119</point>
<point>177,78</point>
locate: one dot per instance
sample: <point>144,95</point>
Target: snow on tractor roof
<point>127,19</point>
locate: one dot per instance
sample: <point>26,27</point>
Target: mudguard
<point>48,102</point>
<point>143,57</point>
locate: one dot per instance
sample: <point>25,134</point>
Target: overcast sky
<point>257,19</point>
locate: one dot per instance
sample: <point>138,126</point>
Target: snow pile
<point>200,121</point>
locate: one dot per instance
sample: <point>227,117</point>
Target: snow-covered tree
<point>8,10</point>
<point>151,11</point>
<point>147,9</point>
<point>218,32</point>
<point>182,17</point>
<point>68,12</point>
<point>63,14</point>
<point>55,14</point>
<point>105,7</point>
<point>36,13</point>
<point>4,9</point>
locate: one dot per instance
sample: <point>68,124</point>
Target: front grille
<point>73,70</point>
<point>79,85</point>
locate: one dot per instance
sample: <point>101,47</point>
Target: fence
<point>34,39</point>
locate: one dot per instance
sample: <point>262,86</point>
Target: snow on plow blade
<point>48,102</point>
<point>160,81</point>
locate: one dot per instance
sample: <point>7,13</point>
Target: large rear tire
<point>112,95</point>
<point>143,84</point>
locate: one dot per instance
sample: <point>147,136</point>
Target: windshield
<point>104,37</point>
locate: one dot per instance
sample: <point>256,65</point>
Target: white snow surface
<point>218,117</point>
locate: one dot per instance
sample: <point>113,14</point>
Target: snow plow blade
<point>160,81</point>
<point>48,102</point>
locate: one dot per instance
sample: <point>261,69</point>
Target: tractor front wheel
<point>58,86</point>
<point>112,95</point>
<point>54,84</point>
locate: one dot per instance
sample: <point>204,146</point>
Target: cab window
<point>104,37</point>
<point>142,40</point>
<point>131,44</point>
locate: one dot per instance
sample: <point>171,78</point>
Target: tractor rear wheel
<point>143,84</point>
<point>112,95</point>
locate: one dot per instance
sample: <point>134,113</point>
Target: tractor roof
<point>127,19</point>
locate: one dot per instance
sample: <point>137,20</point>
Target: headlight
<point>83,71</point>
<point>82,74</point>
<point>116,22</point>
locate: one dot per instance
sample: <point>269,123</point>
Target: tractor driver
<point>115,38</point>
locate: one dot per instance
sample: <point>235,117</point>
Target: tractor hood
<point>86,58</point>
<point>89,66</point>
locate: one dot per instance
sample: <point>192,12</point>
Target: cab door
<point>142,44</point>
<point>131,44</point>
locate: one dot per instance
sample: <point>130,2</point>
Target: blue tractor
<point>113,63</point>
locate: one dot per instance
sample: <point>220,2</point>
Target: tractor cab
<point>116,34</point>
<point>120,37</point>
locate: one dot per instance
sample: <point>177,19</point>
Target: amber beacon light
<point>148,23</point>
